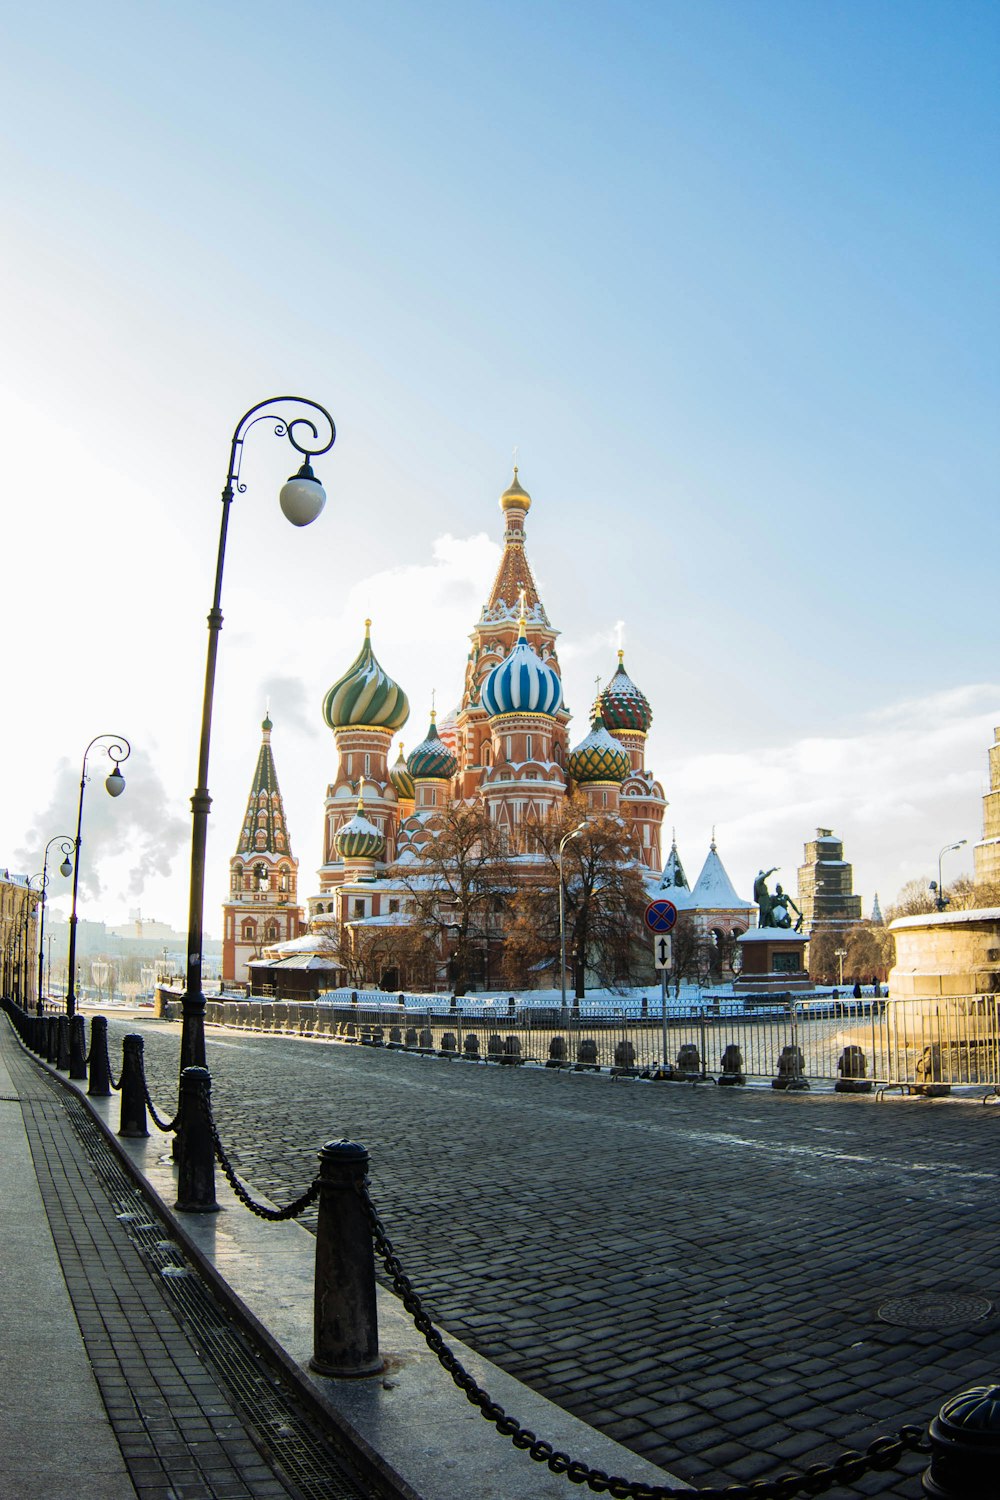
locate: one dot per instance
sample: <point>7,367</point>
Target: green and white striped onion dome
<point>432,757</point>
<point>622,705</point>
<point>599,757</point>
<point>399,775</point>
<point>366,695</point>
<point>359,839</point>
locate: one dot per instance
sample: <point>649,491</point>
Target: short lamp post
<point>302,499</point>
<point>65,869</point>
<point>118,749</point>
<point>940,899</point>
<point>840,954</point>
<point>562,912</point>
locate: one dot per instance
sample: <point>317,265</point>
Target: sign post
<point>660,916</point>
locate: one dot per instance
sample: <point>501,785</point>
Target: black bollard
<point>52,1040</point>
<point>77,1047</point>
<point>133,1089</point>
<point>965,1446</point>
<point>345,1314</point>
<point>196,1156</point>
<point>62,1055</point>
<point>100,1064</point>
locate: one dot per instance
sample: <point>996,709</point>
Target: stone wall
<point>945,954</point>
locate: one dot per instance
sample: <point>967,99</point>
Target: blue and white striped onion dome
<point>432,757</point>
<point>522,683</point>
<point>599,757</point>
<point>359,839</point>
<point>399,775</point>
<point>366,696</point>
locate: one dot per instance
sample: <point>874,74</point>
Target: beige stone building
<point>987,851</point>
<point>18,938</point>
<point>826,885</point>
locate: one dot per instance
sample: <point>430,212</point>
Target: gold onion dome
<point>359,839</point>
<point>515,497</point>
<point>366,695</point>
<point>399,775</point>
<point>622,705</point>
<point>599,757</point>
<point>432,757</point>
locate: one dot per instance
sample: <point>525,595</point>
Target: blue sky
<point>724,273</point>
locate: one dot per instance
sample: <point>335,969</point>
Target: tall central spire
<point>264,830</point>
<point>514,574</point>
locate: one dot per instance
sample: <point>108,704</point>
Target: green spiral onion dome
<point>623,706</point>
<point>399,775</point>
<point>432,757</point>
<point>599,757</point>
<point>366,695</point>
<point>359,839</point>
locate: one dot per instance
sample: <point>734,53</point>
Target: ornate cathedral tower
<point>523,780</point>
<point>263,875</point>
<point>494,638</point>
<point>599,765</point>
<point>364,708</point>
<point>625,711</point>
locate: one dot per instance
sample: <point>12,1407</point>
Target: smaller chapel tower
<point>263,875</point>
<point>364,708</point>
<point>626,713</point>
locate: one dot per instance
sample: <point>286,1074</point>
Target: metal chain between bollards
<point>882,1453</point>
<point>274,1215</point>
<point>167,1128</point>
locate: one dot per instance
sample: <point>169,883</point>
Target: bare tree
<point>460,889</point>
<point>913,900</point>
<point>604,899</point>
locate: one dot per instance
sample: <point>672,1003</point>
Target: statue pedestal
<point>772,960</point>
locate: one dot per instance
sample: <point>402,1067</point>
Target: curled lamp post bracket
<point>292,428</point>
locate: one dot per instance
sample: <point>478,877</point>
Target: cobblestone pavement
<point>696,1271</point>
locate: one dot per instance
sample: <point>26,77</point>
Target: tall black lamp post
<point>118,749</point>
<point>65,869</point>
<point>302,498</point>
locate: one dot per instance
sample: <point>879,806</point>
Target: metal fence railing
<point>912,1044</point>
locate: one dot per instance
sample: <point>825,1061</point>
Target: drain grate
<point>267,1405</point>
<point>935,1310</point>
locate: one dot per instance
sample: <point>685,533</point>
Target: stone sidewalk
<point>704,1274</point>
<point>113,1387</point>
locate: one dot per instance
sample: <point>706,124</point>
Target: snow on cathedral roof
<point>713,890</point>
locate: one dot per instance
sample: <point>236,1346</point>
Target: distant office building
<point>987,853</point>
<point>826,897</point>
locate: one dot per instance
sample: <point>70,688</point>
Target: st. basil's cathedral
<point>507,747</point>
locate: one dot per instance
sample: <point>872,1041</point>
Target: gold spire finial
<point>621,657</point>
<point>368,628</point>
<point>361,793</point>
<point>522,600</point>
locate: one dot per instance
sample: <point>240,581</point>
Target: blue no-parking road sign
<point>661,915</point>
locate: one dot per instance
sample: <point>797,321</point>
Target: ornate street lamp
<point>302,499</point>
<point>840,954</point>
<point>65,869</point>
<point>118,749</point>
<point>562,914</point>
